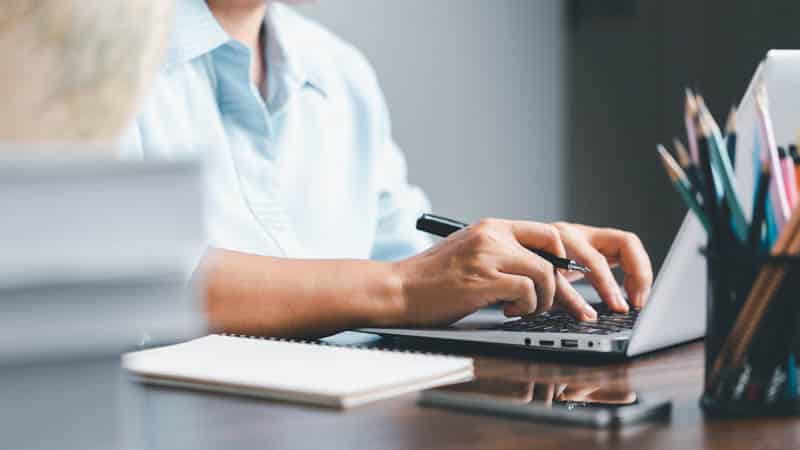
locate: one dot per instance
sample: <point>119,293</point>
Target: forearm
<point>262,295</point>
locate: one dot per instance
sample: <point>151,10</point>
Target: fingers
<point>578,393</point>
<point>544,392</point>
<point>573,276</point>
<point>538,236</point>
<point>519,291</point>
<point>508,243</point>
<point>636,266</point>
<point>610,395</point>
<point>572,301</point>
<point>600,276</point>
<point>560,388</point>
<point>541,272</point>
<point>626,249</point>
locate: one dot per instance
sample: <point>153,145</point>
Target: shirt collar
<point>197,32</point>
<point>288,50</point>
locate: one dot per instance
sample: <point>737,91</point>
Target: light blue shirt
<point>311,173</point>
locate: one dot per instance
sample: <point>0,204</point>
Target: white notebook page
<point>295,370</point>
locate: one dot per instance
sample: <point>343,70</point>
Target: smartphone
<point>571,404</point>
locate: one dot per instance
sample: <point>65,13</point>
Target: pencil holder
<point>761,380</point>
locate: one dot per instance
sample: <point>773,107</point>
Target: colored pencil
<point>778,198</point>
<point>683,155</point>
<point>796,160</point>
<point>788,172</point>
<point>721,162</point>
<point>711,194</point>
<point>682,184</point>
<point>759,209</point>
<point>690,120</point>
<point>787,165</point>
<point>730,136</point>
<point>688,166</point>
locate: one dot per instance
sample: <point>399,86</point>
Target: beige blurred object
<point>73,70</point>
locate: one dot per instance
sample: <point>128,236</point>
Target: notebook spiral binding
<point>328,344</point>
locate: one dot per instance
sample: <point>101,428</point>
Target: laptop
<point>675,313</point>
<point>676,310</point>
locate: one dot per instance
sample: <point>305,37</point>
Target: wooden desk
<point>176,419</point>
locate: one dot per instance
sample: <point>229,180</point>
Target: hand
<point>484,264</point>
<point>603,248</point>
<point>610,394</point>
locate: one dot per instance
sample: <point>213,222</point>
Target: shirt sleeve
<point>399,204</point>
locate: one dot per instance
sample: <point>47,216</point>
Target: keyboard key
<point>608,322</point>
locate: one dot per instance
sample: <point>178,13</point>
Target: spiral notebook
<point>302,372</point>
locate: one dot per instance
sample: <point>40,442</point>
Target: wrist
<point>386,294</point>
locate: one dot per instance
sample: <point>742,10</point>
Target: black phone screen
<point>554,395</point>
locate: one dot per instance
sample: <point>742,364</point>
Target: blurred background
<point>551,109</point>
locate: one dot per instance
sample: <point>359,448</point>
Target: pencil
<point>796,160</point>
<point>759,209</point>
<point>719,189</point>
<point>688,166</point>
<point>682,184</point>
<point>683,155</point>
<point>710,190</point>
<point>690,119</point>
<point>778,198</point>
<point>787,165</point>
<point>721,162</point>
<point>730,136</point>
<point>791,373</point>
<point>788,172</point>
<point>761,294</point>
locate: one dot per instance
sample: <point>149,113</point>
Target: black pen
<point>443,227</point>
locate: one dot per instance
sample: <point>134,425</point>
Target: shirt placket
<point>257,167</point>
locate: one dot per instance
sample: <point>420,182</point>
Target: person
<point>72,71</point>
<point>310,214</point>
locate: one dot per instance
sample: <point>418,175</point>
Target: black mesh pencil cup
<point>752,343</point>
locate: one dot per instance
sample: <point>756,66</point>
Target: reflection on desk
<point>163,418</point>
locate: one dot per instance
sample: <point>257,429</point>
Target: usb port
<point>547,343</point>
<point>569,343</point>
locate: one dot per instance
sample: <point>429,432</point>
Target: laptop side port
<point>546,343</point>
<point>569,343</point>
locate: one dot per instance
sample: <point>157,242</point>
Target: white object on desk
<point>96,253</point>
<point>295,371</point>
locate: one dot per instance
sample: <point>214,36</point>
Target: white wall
<point>476,91</point>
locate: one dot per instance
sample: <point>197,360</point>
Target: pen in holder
<point>750,358</point>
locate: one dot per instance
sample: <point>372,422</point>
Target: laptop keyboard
<point>608,322</point>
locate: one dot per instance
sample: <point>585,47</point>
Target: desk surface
<point>172,419</point>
